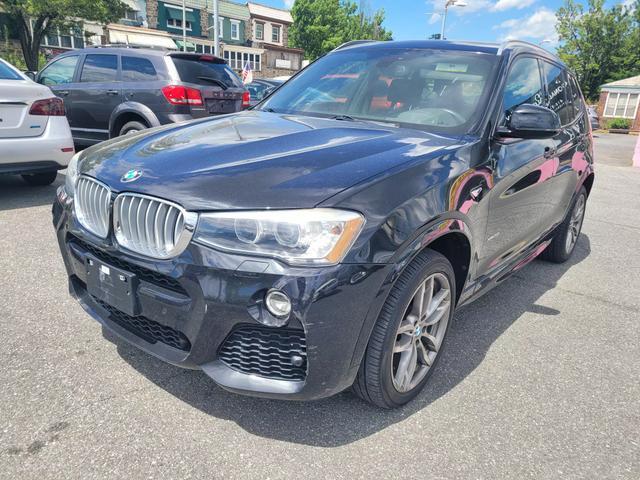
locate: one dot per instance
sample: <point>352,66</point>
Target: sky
<point>480,20</point>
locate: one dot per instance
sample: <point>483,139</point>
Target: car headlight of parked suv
<point>72,175</point>
<point>318,236</point>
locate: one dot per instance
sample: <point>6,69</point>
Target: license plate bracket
<point>112,285</point>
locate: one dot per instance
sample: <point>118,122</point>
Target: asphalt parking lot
<point>540,378</point>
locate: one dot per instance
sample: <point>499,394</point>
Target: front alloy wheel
<point>421,332</point>
<point>408,335</point>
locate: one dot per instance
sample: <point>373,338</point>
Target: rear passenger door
<point>560,176</point>
<point>98,95</point>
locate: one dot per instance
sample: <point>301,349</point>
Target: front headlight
<point>317,236</point>
<point>72,175</point>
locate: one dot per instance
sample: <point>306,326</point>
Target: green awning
<point>176,14</point>
<point>190,45</point>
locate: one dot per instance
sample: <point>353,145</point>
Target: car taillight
<point>180,95</point>
<point>245,99</point>
<point>51,107</point>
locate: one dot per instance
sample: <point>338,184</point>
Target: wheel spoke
<point>436,300</point>
<point>423,354</point>
<point>407,325</point>
<point>403,344</point>
<point>406,368</point>
<point>432,343</point>
<point>436,316</point>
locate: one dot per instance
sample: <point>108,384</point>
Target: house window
<point>259,31</point>
<point>220,27</point>
<point>275,33</point>
<point>131,15</point>
<point>175,23</point>
<point>235,30</point>
<point>237,60</point>
<point>623,105</point>
<point>70,39</point>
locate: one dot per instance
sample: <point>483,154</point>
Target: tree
<point>599,44</point>
<point>33,19</point>
<point>319,26</point>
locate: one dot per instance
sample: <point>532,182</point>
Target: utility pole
<point>216,27</point>
<point>184,27</point>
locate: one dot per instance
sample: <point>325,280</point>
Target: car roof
<point>510,46</point>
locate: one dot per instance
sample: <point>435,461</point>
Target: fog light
<point>278,303</point>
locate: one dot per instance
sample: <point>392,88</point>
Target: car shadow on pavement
<point>15,193</point>
<point>344,419</point>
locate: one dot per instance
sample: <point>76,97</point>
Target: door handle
<point>112,92</point>
<point>549,152</point>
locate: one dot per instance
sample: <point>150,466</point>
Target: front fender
<point>433,230</point>
<point>133,107</point>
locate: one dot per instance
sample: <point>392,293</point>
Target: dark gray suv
<point>112,91</point>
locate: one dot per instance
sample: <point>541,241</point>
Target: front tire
<point>408,336</point>
<point>40,179</point>
<point>566,236</point>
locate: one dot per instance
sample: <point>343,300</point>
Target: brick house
<point>621,99</point>
<point>270,31</point>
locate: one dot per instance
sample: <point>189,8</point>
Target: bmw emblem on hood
<point>131,176</point>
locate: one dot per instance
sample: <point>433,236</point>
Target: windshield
<point>7,73</point>
<point>421,88</point>
<point>203,72</point>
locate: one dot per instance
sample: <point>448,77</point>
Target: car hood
<point>255,159</point>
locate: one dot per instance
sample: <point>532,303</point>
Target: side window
<point>523,86</point>
<point>558,97</point>
<point>576,97</point>
<point>137,69</point>
<point>99,68</point>
<point>59,72</point>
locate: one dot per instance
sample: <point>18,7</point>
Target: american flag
<point>247,73</point>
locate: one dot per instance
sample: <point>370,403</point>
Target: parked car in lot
<point>324,239</point>
<point>261,88</point>
<point>593,118</point>
<point>115,91</point>
<point>35,140</point>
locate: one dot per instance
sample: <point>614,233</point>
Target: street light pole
<point>216,27</point>
<point>449,3</point>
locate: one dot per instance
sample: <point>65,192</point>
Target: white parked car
<point>35,139</point>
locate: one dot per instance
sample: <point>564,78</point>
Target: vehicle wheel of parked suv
<point>566,236</point>
<point>40,179</point>
<point>132,127</point>
<point>409,333</point>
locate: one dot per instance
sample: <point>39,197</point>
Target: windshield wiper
<point>345,118</point>
<point>213,80</point>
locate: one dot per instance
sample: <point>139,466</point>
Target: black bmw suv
<point>113,91</point>
<point>323,240</point>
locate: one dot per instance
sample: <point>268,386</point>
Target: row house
<point>248,33</point>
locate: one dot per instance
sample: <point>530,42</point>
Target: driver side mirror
<point>31,75</point>
<point>531,121</point>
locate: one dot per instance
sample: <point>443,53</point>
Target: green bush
<point>619,123</point>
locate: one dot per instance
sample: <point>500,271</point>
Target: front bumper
<point>201,309</point>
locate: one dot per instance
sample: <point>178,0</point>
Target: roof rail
<point>353,42</point>
<point>508,43</point>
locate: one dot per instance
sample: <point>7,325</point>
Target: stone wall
<point>152,14</point>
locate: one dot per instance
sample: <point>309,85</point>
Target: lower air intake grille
<point>267,352</point>
<point>147,329</point>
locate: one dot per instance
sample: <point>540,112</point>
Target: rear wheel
<point>132,127</point>
<point>40,179</point>
<point>566,236</point>
<point>409,333</point>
